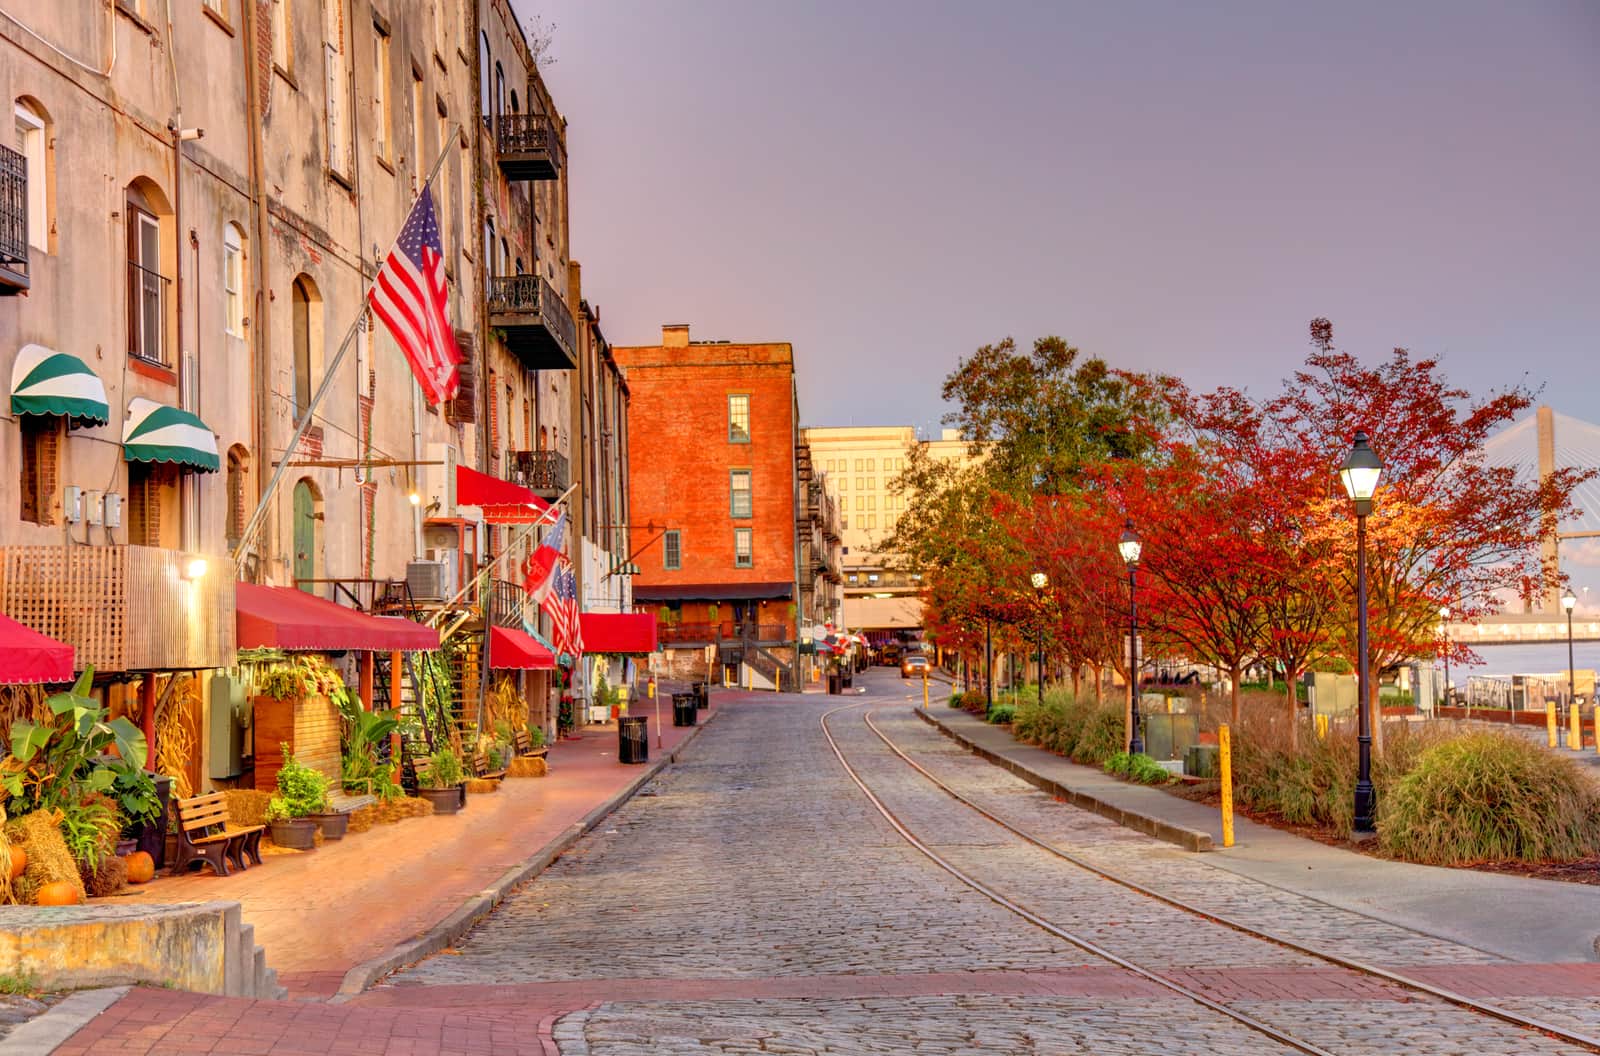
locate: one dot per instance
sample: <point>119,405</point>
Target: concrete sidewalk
<point>1516,917</point>
<point>379,896</point>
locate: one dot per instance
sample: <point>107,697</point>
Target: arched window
<point>306,307</point>
<point>499,90</point>
<point>150,248</point>
<point>490,264</point>
<point>238,492</point>
<point>233,279</point>
<point>516,108</point>
<point>33,142</point>
<point>485,77</point>
<point>307,534</point>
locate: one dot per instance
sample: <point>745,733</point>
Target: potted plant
<point>139,802</point>
<point>444,781</point>
<point>302,793</point>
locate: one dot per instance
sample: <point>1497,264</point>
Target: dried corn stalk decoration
<point>175,733</point>
<point>21,702</point>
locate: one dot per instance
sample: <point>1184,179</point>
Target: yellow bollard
<point>1322,727</point>
<point>924,692</point>
<point>778,685</point>
<point>1550,721</point>
<point>1225,766</point>
<point>1575,732</point>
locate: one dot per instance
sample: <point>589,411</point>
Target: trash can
<point>702,695</point>
<point>835,683</point>
<point>683,709</point>
<point>633,739</point>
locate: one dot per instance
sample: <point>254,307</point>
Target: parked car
<point>915,666</point>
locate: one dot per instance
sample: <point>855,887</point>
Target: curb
<point>474,909</point>
<point>1188,839</point>
<point>40,1035</point>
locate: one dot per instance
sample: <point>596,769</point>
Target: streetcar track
<point>1395,978</point>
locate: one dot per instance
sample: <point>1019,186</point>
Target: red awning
<point>28,657</point>
<point>618,632</point>
<point>286,618</point>
<point>502,501</point>
<point>511,649</point>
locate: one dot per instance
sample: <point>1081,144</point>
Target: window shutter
<point>464,408</point>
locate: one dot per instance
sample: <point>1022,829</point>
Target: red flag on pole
<point>409,297</point>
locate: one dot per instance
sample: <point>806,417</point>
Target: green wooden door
<point>305,537</point>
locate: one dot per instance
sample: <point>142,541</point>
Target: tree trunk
<point>1077,680</point>
<point>1099,684</point>
<point>1292,704</point>
<point>1234,674</point>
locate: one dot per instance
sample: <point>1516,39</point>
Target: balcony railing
<point>527,146</point>
<point>147,315</point>
<point>537,326</point>
<point>543,471</point>
<point>679,633</point>
<point>124,608</point>
<point>506,603</point>
<point>13,222</point>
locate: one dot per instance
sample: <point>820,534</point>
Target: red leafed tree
<point>1446,527</point>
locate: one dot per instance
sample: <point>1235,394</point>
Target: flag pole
<point>259,516</point>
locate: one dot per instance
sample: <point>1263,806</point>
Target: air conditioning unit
<point>431,580</point>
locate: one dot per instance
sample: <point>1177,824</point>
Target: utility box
<point>1333,694</point>
<point>1200,760</point>
<point>1169,736</point>
<point>230,717</point>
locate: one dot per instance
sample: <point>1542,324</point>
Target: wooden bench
<point>204,835</point>
<point>480,768</point>
<point>524,746</point>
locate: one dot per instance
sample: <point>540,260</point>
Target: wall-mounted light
<point>194,568</point>
<point>414,497</point>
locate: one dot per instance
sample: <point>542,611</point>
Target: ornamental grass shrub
<point>1137,767</point>
<point>1083,731</point>
<point>1491,797</point>
<point>1001,714</point>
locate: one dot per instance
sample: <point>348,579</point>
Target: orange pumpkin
<point>141,867</point>
<point>60,893</point>
<point>19,861</point>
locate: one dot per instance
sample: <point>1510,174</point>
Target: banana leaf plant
<point>58,762</point>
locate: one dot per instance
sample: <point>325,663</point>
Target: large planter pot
<point>153,836</point>
<point>333,826</point>
<point>444,800</point>
<point>297,834</point>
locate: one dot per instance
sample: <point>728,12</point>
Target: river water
<point>1542,659</point>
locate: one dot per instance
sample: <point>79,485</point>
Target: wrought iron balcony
<point>527,146</point>
<point>13,222</point>
<point>537,326</point>
<point>147,315</point>
<point>545,472</point>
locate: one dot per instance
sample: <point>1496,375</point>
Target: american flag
<point>538,568</point>
<point>561,602</point>
<point>409,297</point>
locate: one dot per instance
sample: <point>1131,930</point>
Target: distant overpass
<point>1519,628</point>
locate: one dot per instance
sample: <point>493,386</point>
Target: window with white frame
<point>743,548</point>
<point>340,126</point>
<point>32,144</point>
<point>220,7</point>
<point>738,418</point>
<point>282,42</point>
<point>740,501</point>
<point>383,117</point>
<point>233,279</point>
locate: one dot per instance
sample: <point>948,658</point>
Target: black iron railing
<point>506,604</point>
<point>539,470</point>
<point>521,134</point>
<point>532,295</point>
<point>13,207</point>
<point>147,315</point>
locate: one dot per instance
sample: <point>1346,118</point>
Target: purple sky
<point>1174,187</point>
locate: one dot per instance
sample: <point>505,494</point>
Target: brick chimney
<point>675,335</point>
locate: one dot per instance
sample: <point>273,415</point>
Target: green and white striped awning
<point>48,382</point>
<point>156,432</point>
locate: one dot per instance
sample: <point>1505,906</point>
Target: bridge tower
<point>1550,546</point>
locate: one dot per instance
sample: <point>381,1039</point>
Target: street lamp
<point>1569,601</point>
<point>1444,624</point>
<point>1360,474</point>
<point>1040,581</point>
<point>1130,547</point>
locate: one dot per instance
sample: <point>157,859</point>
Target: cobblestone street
<point>752,899</point>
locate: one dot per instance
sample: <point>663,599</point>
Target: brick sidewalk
<point>399,880</point>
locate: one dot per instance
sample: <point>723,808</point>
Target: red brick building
<point>713,429</point>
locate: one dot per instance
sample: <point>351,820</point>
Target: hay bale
<point>363,818</point>
<point>109,878</point>
<point>523,766</point>
<point>479,785</point>
<point>49,861</point>
<point>246,806</point>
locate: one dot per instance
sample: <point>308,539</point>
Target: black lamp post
<point>1569,602</point>
<point>1040,581</point>
<point>988,666</point>
<point>1360,474</point>
<point>1130,547</point>
<point>1444,624</point>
